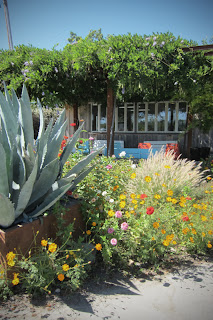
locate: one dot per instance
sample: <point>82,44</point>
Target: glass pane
<point>151,117</point>
<point>182,116</point>
<point>103,119</point>
<point>121,118</point>
<point>141,117</point>
<point>171,117</point>
<point>130,117</point>
<point>161,116</point>
<point>94,118</point>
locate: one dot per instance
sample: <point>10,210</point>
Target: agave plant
<point>30,171</point>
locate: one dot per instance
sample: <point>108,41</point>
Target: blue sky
<point>44,23</point>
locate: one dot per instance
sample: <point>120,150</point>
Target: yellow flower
<point>183,199</point>
<point>165,243</point>
<point>60,277</point>
<point>94,224</point>
<point>44,243</point>
<point>127,214</point>
<point>122,204</point>
<point>194,231</point>
<point>157,196</point>
<point>11,263</point>
<point>65,267</point>
<point>133,175</point>
<point>88,232</point>
<point>98,246</point>
<point>122,197</point>
<point>15,275</point>
<point>163,231</point>
<point>170,192</point>
<point>174,201</point>
<point>132,211</point>
<point>15,281</point>
<point>210,232</point>
<point>135,207</point>
<point>134,201</point>
<point>52,247</point>
<point>10,255</point>
<point>164,185</point>
<point>169,199</point>
<point>209,245</point>
<point>209,178</point>
<point>185,230</point>
<point>132,195</point>
<point>157,174</point>
<point>111,213</point>
<point>203,234</point>
<point>203,218</point>
<point>148,179</point>
<point>115,188</point>
<point>207,191</point>
<point>181,204</point>
<point>156,225</point>
<point>191,239</point>
<point>153,238</point>
<point>167,167</point>
<point>174,242</point>
<point>142,201</point>
<point>138,196</point>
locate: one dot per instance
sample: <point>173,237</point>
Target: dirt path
<point>184,293</point>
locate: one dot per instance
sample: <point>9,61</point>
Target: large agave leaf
<point>81,176</point>
<point>83,163</point>
<point>16,105</point>
<point>54,145</point>
<point>41,123</point>
<point>42,145</point>
<point>7,117</point>
<point>58,124</point>
<point>25,117</point>
<point>63,186</point>
<point>4,187</point>
<point>9,156</point>
<point>26,191</point>
<point>7,212</point>
<point>47,178</point>
<point>70,146</point>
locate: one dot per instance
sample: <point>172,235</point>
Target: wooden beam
<point>110,104</point>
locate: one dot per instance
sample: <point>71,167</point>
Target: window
<point>142,117</point>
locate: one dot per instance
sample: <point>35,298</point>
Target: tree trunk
<point>189,135</point>
<point>110,105</point>
<point>75,116</point>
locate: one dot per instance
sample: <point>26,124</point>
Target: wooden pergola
<point>208,48</point>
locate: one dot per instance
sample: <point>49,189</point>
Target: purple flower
<point>43,94</point>
<point>162,44</point>
<point>118,214</point>
<point>154,38</point>
<point>123,90</point>
<point>12,63</point>
<point>56,70</point>
<point>148,38</point>
<point>26,63</point>
<point>31,62</point>
<point>109,166</point>
<point>147,43</point>
<point>152,54</point>
<point>113,241</point>
<point>154,43</point>
<point>124,226</point>
<point>110,230</point>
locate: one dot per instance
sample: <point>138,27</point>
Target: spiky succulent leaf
<point>26,191</point>
<point>25,117</point>
<point>70,146</point>
<point>7,212</point>
<point>58,124</point>
<point>80,177</point>
<point>63,186</point>
<point>46,179</point>
<point>41,122</point>
<point>4,187</point>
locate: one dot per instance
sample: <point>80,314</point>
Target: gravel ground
<point>184,292</point>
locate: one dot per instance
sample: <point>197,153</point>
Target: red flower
<point>69,193</point>
<point>150,210</point>
<point>65,137</point>
<point>81,141</point>
<point>188,198</point>
<point>143,196</point>
<point>185,218</point>
<point>72,124</point>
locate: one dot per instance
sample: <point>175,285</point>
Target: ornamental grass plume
<point>161,172</point>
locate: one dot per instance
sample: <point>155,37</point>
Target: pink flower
<point>124,226</point>
<point>118,214</point>
<point>91,138</point>
<point>185,218</point>
<point>109,166</point>
<point>110,230</point>
<point>150,210</point>
<point>113,241</point>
